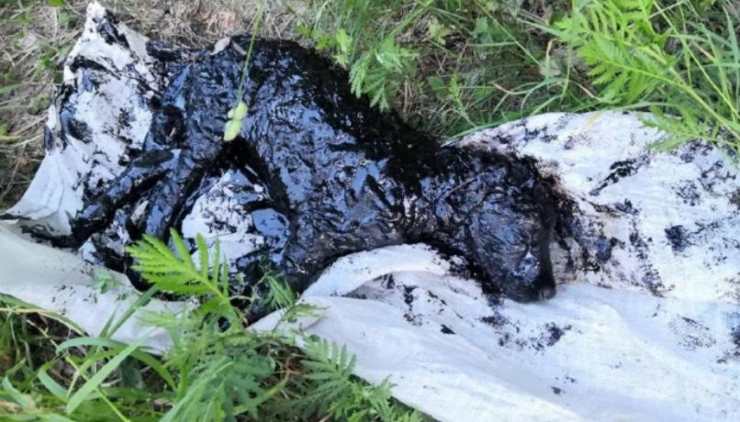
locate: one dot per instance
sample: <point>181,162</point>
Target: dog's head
<point>512,246</point>
<point>508,227</point>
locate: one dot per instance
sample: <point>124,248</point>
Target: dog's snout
<point>528,266</point>
<point>547,292</point>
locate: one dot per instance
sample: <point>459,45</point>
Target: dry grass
<point>36,38</point>
<point>199,22</point>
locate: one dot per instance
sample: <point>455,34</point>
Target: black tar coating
<point>341,177</point>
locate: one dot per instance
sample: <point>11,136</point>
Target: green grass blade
<point>48,382</point>
<point>23,400</point>
<point>139,355</point>
<point>96,380</point>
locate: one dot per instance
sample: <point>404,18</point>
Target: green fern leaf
<point>175,271</point>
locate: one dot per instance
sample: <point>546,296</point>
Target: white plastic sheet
<point>62,283</point>
<point>588,354</point>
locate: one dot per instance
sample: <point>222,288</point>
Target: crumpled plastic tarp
<point>645,324</point>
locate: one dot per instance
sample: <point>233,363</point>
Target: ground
<point>448,66</point>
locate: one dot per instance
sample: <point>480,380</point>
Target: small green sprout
<point>234,125</point>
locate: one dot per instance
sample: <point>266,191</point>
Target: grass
<point>679,60</point>
<point>34,45</point>
<point>448,66</point>
<point>454,66</point>
<point>216,369</point>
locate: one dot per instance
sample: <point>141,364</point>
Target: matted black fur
<point>341,177</point>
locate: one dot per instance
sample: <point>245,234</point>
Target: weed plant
<point>217,369</point>
<point>489,61</point>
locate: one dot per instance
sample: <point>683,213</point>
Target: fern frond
<point>175,271</point>
<point>616,39</point>
<point>328,361</point>
<point>377,73</point>
<point>279,294</point>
